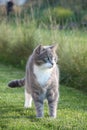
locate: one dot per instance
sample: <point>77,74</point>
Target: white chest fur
<point>42,74</point>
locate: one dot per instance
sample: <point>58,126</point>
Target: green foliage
<point>60,11</point>
<point>73,64</point>
<point>59,15</point>
<point>16,44</point>
<point>84,19</point>
<point>62,15</point>
<point>71,112</point>
<point>18,41</point>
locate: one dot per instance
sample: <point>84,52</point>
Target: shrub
<point>58,14</point>
<point>21,51</point>
<point>16,44</point>
<point>62,15</point>
<point>46,17</point>
<point>73,64</point>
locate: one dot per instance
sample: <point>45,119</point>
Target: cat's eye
<point>46,59</point>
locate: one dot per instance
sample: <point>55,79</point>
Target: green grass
<point>71,113</point>
<point>18,40</point>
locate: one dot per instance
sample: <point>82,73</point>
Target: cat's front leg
<point>28,100</point>
<point>53,109</point>
<point>38,101</point>
<point>52,102</point>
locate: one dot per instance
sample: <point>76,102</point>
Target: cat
<point>41,80</point>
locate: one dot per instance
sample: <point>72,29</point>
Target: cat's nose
<point>52,63</point>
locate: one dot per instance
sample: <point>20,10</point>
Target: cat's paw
<point>27,105</point>
<point>53,115</point>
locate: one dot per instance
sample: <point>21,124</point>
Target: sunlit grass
<point>71,113</point>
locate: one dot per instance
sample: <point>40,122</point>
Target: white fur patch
<point>28,100</point>
<point>42,73</point>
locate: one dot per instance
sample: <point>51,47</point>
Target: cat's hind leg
<point>28,100</point>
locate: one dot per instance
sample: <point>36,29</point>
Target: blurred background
<point>26,23</point>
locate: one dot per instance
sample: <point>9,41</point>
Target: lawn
<point>71,113</point>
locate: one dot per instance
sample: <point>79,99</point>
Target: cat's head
<point>45,56</point>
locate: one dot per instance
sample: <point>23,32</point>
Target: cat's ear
<point>38,49</point>
<point>54,47</point>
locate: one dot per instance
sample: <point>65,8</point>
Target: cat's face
<point>45,56</point>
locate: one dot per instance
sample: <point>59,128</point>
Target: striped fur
<point>16,83</point>
<point>41,80</point>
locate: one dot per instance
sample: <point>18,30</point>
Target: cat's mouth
<point>48,65</point>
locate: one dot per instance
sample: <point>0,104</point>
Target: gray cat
<point>41,80</point>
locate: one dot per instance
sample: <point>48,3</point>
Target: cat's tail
<point>16,83</point>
